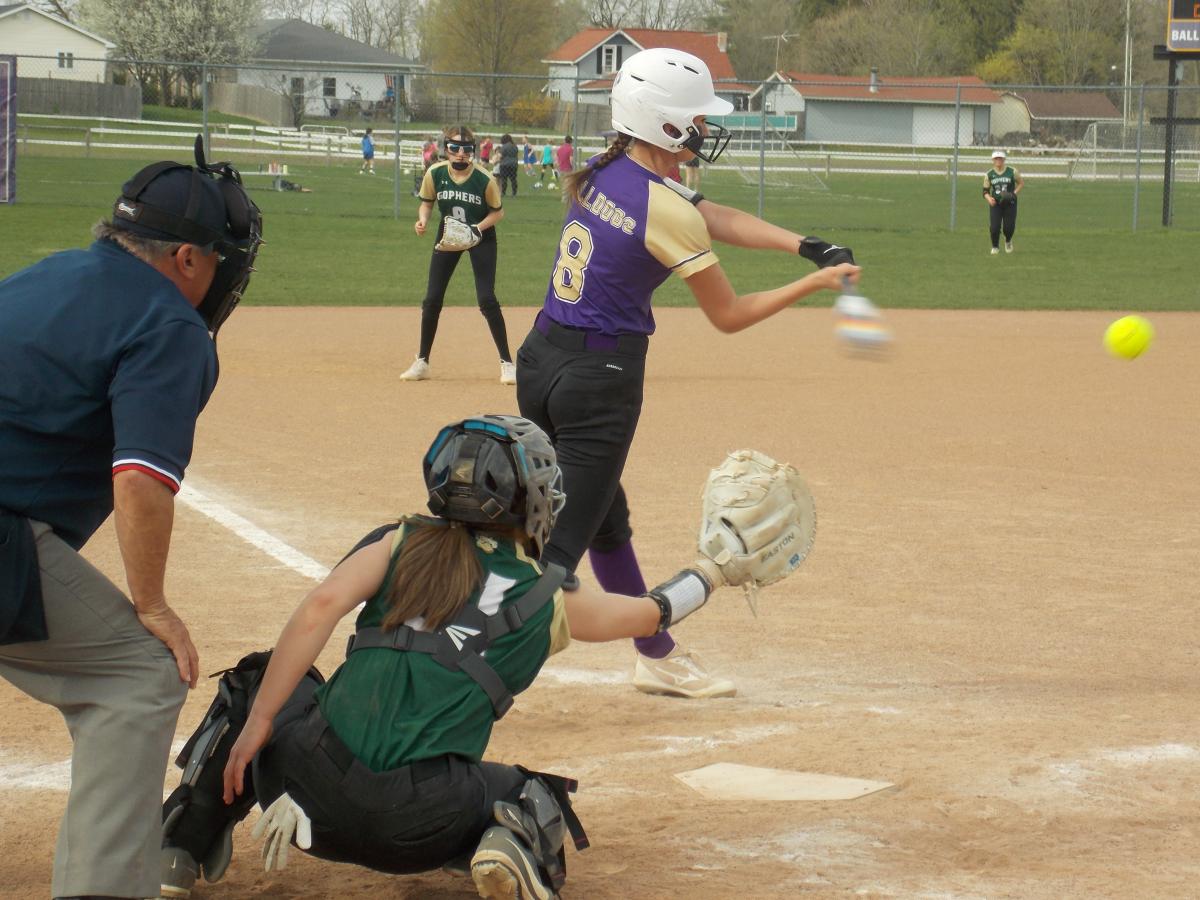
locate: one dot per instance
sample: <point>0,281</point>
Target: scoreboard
<point>1183,26</point>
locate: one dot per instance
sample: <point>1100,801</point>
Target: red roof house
<point>587,61</point>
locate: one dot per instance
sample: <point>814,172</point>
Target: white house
<point>331,73</point>
<point>590,58</point>
<point>49,47</point>
<point>891,110</point>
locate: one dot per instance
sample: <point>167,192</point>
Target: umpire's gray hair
<point>145,249</point>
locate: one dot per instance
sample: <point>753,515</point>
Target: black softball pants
<point>588,402</point>
<point>507,173</point>
<point>1003,215</point>
<point>483,265</point>
<point>411,819</point>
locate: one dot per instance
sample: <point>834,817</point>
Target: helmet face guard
<point>495,470</point>
<point>237,242</point>
<point>716,140</point>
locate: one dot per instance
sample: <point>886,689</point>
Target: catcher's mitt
<point>457,235</point>
<point>1006,197</point>
<point>758,520</point>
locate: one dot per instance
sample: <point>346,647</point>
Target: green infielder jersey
<point>391,707</point>
<point>469,200</point>
<point>994,182</point>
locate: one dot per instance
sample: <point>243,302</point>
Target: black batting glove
<point>825,254</point>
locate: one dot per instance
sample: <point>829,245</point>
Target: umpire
<point>108,358</point>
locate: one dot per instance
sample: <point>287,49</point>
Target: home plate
<point>730,781</point>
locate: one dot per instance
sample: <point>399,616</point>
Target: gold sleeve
<point>676,234</point>
<point>428,194</point>
<point>560,630</point>
<point>491,194</point>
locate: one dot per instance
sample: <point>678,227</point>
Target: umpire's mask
<point>204,205</point>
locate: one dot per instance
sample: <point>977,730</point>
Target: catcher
<point>469,200</point>
<point>1001,184</point>
<point>381,765</point>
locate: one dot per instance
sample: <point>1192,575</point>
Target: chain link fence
<point>797,136</point>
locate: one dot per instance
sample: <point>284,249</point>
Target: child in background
<point>368,152</point>
<point>548,175</point>
<point>527,156</point>
<point>565,156</point>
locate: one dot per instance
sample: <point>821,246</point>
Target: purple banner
<point>8,129</point>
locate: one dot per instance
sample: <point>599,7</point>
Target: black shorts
<point>585,391</point>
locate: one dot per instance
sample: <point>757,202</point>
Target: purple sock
<point>617,571</point>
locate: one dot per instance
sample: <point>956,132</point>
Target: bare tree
<point>64,9</point>
<point>387,24</point>
<point>852,41</point>
<point>315,12</point>
<point>668,15</point>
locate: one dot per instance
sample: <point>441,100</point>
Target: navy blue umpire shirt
<point>104,367</point>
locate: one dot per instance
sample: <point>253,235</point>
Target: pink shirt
<point>564,153</point>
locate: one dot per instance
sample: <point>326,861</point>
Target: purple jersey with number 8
<point>626,234</point>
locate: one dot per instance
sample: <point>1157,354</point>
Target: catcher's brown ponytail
<point>437,570</point>
<point>573,184</point>
<point>435,574</point>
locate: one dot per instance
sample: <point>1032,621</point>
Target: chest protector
<point>460,645</point>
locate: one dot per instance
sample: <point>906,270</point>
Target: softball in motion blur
<point>1128,337</point>
<point>858,323</point>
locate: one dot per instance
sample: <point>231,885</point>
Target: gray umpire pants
<point>119,690</point>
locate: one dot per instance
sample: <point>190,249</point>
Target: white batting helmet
<point>657,95</point>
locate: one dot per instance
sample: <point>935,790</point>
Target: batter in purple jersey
<point>580,371</point>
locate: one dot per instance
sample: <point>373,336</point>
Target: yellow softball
<point>1128,337</point>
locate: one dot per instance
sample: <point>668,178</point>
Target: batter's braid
<point>574,183</point>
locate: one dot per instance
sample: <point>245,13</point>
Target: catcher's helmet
<point>657,95</point>
<point>495,470</point>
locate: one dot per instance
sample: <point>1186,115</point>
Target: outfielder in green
<point>1001,184</point>
<point>469,196</point>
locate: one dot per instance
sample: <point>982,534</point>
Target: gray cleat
<point>178,873</point>
<point>504,869</point>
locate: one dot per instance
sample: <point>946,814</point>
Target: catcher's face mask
<point>213,212</point>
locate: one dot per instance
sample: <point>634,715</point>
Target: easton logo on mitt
<point>758,520</point>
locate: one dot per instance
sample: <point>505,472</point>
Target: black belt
<point>566,338</point>
<point>341,756</point>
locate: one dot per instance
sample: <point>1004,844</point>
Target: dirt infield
<point>998,616</point>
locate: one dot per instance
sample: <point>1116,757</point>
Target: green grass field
<point>340,245</point>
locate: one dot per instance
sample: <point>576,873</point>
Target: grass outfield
<point>339,245</point>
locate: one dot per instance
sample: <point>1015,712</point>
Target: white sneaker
<point>508,372</point>
<point>1008,246</point>
<point>995,250</point>
<point>679,674</point>
<point>418,371</point>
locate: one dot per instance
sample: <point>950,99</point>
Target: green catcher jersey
<point>469,200</point>
<point>391,707</point>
